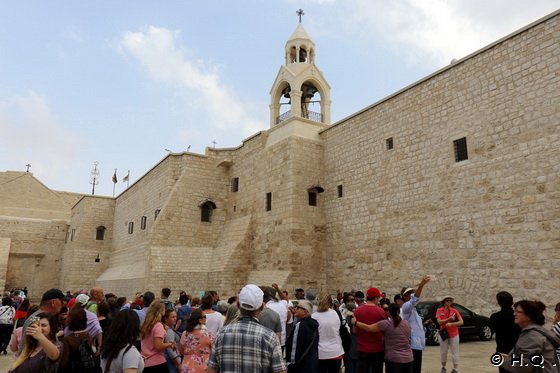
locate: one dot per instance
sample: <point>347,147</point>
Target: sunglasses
<point>299,308</point>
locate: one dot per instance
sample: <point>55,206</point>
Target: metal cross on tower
<point>27,165</point>
<point>300,13</point>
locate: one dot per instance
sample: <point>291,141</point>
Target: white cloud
<point>157,49</point>
<point>436,31</point>
<point>32,133</point>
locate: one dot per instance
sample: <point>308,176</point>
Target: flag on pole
<point>115,176</point>
<point>125,179</point>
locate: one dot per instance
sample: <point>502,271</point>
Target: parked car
<point>474,324</point>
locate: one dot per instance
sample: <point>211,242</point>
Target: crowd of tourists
<point>258,330</point>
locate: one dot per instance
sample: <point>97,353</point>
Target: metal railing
<point>311,115</point>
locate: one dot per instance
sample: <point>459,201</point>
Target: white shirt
<point>281,308</point>
<point>330,344</point>
<point>214,321</point>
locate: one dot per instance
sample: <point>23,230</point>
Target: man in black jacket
<point>302,346</point>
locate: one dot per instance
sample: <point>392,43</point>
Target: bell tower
<point>300,92</point>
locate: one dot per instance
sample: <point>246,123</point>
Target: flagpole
<point>128,179</point>
<point>114,181</point>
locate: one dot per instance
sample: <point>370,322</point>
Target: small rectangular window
<point>312,198</point>
<point>130,227</point>
<point>340,191</point>
<point>389,143</point>
<point>268,201</point>
<point>72,235</point>
<point>235,184</point>
<point>143,222</point>
<point>100,233</point>
<point>460,148</point>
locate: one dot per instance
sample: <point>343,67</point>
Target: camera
<point>34,320</point>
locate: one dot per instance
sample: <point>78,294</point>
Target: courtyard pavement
<point>474,358</point>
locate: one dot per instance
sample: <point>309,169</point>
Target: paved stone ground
<point>475,358</point>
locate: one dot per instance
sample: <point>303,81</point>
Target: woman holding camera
<point>449,320</point>
<point>40,349</point>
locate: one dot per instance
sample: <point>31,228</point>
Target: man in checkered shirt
<point>246,346</point>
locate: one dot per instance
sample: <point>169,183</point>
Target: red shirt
<point>367,341</point>
<point>442,314</point>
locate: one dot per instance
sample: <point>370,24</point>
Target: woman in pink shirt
<point>449,319</point>
<point>152,333</point>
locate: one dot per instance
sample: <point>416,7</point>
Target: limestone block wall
<point>128,264</point>
<point>285,243</point>
<point>486,224</point>
<point>5,244</point>
<point>32,249</point>
<point>200,179</point>
<point>79,267</point>
<point>23,195</point>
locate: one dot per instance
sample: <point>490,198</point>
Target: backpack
<point>345,336</point>
<point>168,304</point>
<point>7,315</point>
<point>83,360</point>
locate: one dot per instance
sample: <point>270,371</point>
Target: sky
<point>121,83</point>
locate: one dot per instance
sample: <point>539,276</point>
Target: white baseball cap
<point>82,299</point>
<point>251,297</point>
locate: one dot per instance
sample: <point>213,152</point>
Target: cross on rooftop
<point>27,165</point>
<point>300,13</point>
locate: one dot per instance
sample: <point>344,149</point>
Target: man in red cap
<point>370,345</point>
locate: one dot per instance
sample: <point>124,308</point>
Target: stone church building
<point>456,175</point>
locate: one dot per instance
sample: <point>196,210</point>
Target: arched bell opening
<point>284,103</point>
<point>311,102</point>
<point>300,54</point>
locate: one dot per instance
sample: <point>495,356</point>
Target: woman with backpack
<point>331,351</point>
<point>77,354</point>
<point>118,353</point>
<point>534,340</point>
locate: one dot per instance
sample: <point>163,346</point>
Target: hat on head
<point>250,297</point>
<point>306,305</point>
<point>407,290</point>
<point>373,293</point>
<point>446,298</point>
<point>82,299</point>
<point>359,295</point>
<point>52,294</point>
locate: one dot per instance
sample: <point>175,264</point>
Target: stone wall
<point>486,224</point>
<point>80,267</point>
<point>32,249</point>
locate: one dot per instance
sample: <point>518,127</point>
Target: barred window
<point>460,148</point>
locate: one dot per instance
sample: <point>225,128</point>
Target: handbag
<point>344,334</point>
<point>443,334</point>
